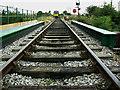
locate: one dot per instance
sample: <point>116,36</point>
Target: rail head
<point>10,63</point>
<point>99,62</point>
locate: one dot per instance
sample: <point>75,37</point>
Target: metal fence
<point>14,15</point>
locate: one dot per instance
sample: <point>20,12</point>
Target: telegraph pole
<point>78,7</point>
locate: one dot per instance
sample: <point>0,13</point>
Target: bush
<point>105,17</point>
<point>104,22</point>
<point>83,19</point>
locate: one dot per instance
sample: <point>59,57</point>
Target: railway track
<point>57,58</point>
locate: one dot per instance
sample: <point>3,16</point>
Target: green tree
<point>91,9</point>
<point>105,17</point>
<point>116,19</point>
<point>47,14</point>
<point>13,13</point>
<point>108,10</point>
<point>50,12</point>
<point>119,18</point>
<point>65,12</point>
<point>39,14</point>
<point>3,12</point>
<point>104,22</point>
<point>97,12</point>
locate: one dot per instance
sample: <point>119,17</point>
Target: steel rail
<point>116,50</point>
<point>99,62</point>
<point>10,64</point>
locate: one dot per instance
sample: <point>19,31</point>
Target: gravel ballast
<point>84,80</point>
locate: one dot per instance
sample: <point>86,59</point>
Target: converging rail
<point>11,62</point>
<point>107,38</point>
<point>87,53</point>
<point>99,63</point>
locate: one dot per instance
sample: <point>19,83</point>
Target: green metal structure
<point>107,38</point>
<point>14,15</point>
<point>7,35</point>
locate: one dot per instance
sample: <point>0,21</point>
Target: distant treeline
<point>40,13</point>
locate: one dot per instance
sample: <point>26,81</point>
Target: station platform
<point>106,37</point>
<point>16,29</point>
<point>9,34</point>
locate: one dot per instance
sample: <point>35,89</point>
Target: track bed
<point>57,58</point>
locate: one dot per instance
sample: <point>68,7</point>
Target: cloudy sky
<point>61,5</point>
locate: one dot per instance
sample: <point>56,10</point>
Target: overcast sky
<point>61,5</point>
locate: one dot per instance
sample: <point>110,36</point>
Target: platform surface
<point>95,28</point>
<point>16,29</point>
